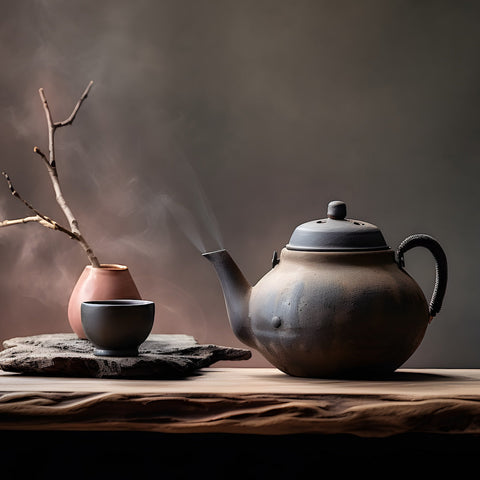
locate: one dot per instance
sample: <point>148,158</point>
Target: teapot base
<point>353,374</point>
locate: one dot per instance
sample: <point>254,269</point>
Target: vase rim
<point>110,266</point>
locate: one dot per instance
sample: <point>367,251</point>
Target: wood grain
<point>254,401</point>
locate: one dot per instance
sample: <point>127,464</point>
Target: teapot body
<point>338,303</point>
<point>337,314</point>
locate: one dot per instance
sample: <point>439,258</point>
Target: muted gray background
<point>240,119</point>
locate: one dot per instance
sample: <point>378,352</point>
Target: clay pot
<point>108,282</point>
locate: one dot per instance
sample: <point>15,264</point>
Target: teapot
<point>337,303</point>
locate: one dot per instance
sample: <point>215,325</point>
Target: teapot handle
<point>441,268</point>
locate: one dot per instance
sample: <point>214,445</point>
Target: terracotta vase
<point>108,282</point>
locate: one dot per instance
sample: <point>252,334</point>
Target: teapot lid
<point>336,233</point>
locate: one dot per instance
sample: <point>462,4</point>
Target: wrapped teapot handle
<point>441,268</point>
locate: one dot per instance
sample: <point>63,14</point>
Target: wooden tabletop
<point>247,400</point>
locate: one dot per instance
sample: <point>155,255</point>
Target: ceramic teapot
<point>337,302</point>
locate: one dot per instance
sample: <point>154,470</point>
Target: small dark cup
<point>117,327</point>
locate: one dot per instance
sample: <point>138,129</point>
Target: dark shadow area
<point>412,377</point>
<point>397,376</point>
<point>124,455</point>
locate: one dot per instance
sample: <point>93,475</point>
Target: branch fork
<point>73,231</point>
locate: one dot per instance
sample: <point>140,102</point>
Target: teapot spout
<point>236,291</point>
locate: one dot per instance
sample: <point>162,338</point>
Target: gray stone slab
<point>65,355</point>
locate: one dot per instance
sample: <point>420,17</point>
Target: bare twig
<point>53,223</point>
<point>71,118</point>
<point>74,231</point>
<point>52,168</point>
<point>52,126</point>
<point>45,159</point>
<point>51,129</point>
<point>52,171</point>
<point>19,221</point>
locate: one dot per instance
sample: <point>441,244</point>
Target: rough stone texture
<point>65,355</point>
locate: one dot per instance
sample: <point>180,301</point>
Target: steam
<point>193,215</point>
<point>141,213</point>
<point>184,219</point>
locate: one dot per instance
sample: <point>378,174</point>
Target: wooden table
<point>435,407</point>
<point>247,400</point>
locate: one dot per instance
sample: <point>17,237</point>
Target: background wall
<point>242,119</point>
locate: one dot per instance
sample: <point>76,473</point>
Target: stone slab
<point>65,355</point>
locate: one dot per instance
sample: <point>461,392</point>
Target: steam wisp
<point>188,206</point>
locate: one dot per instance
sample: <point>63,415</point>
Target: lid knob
<point>337,210</point>
<point>336,233</point>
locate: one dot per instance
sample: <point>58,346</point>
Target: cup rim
<point>118,302</point>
